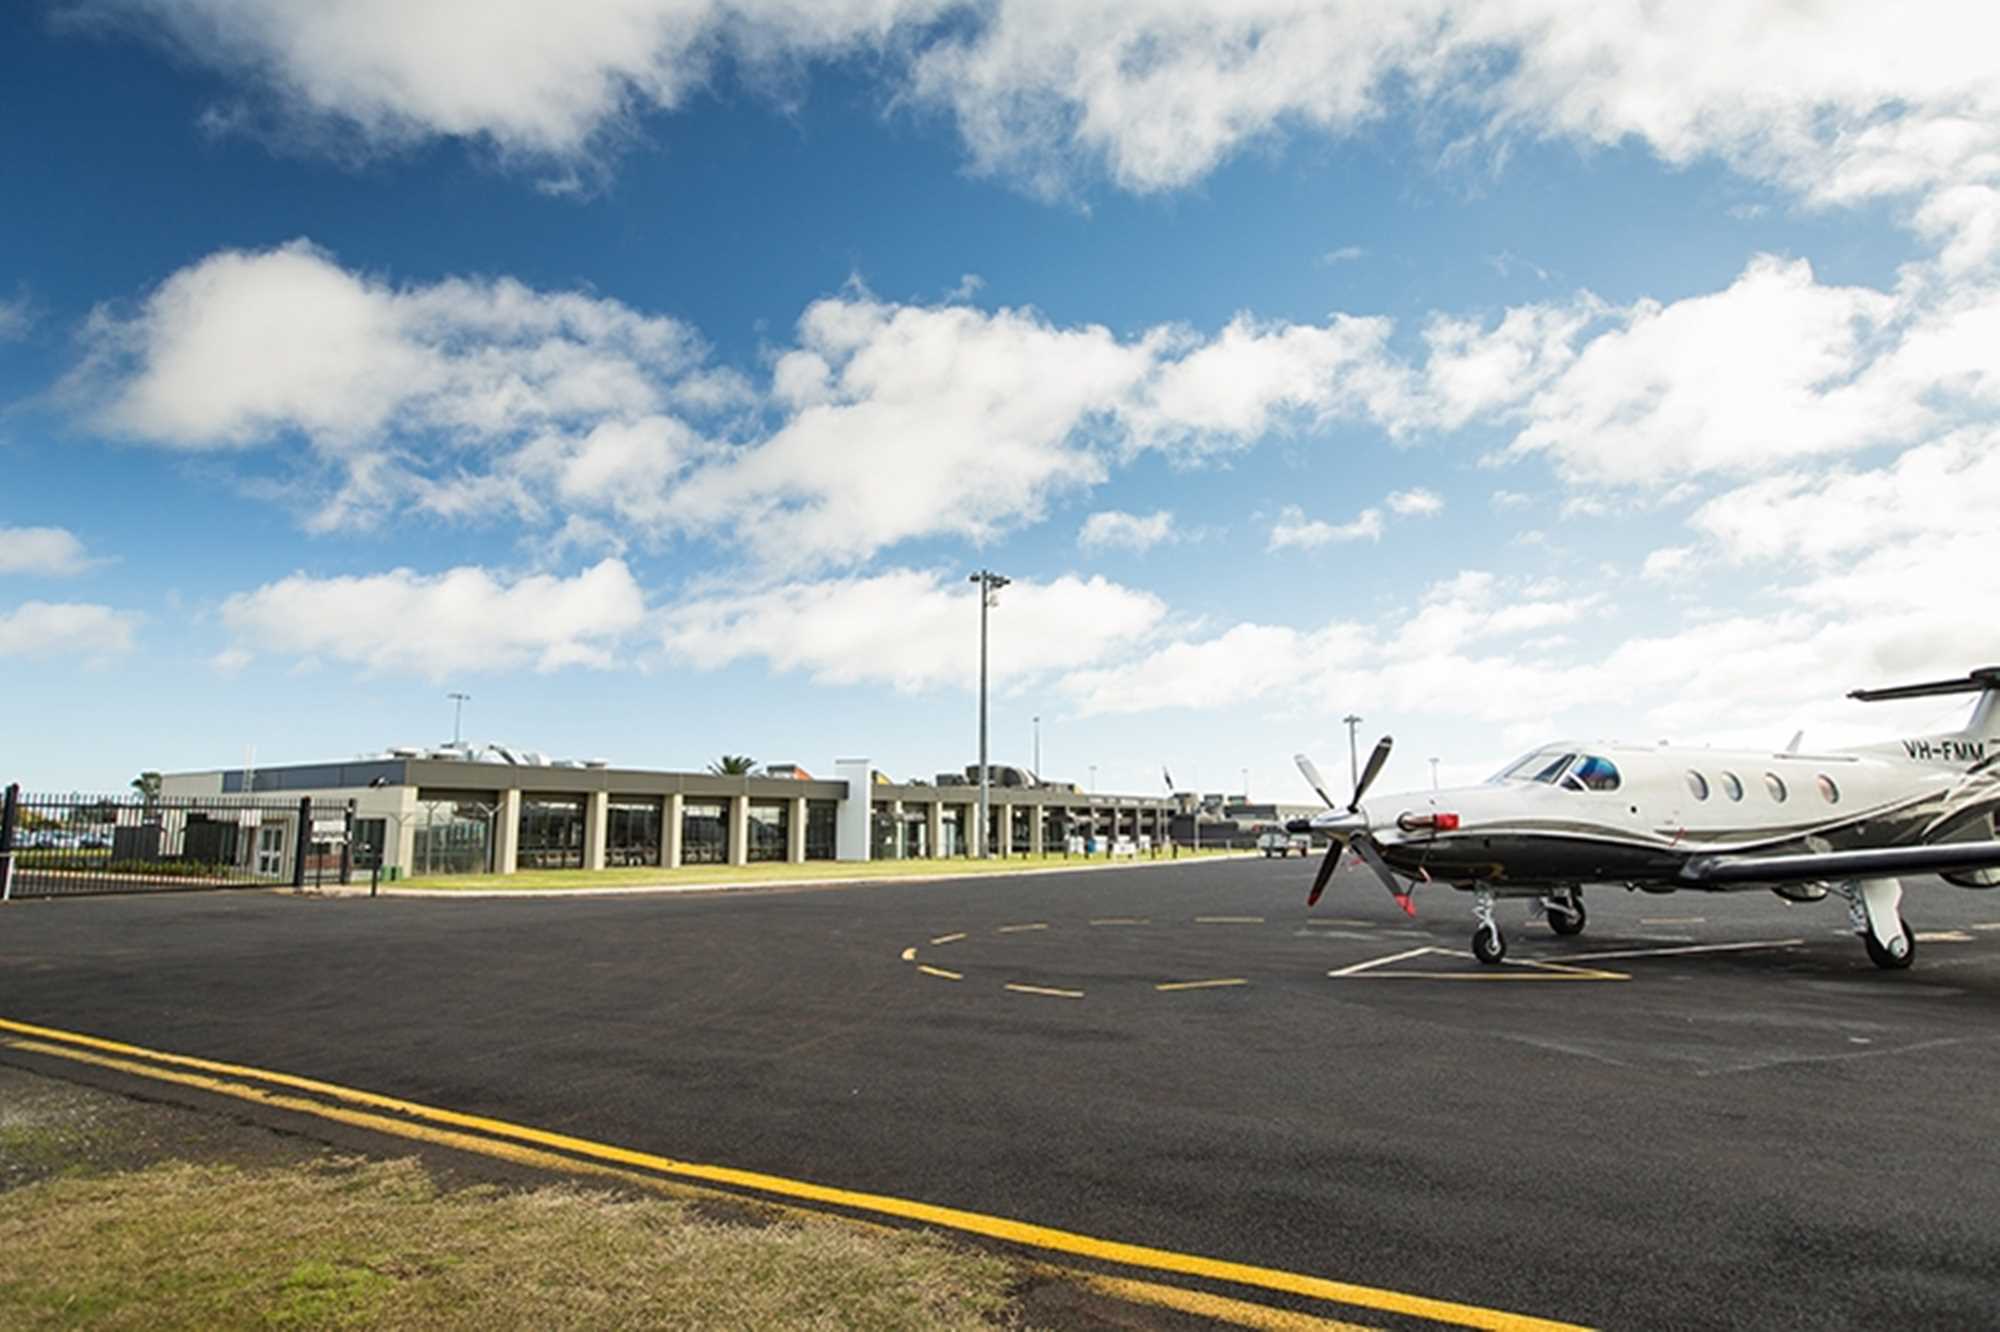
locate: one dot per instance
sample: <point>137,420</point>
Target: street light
<point>1246,785</point>
<point>1434,774</point>
<point>458,702</point>
<point>1353,763</point>
<point>990,584</point>
<point>1093,779</point>
<point>1038,749</point>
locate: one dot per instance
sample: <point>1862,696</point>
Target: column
<point>1038,815</point>
<point>1007,828</point>
<point>670,833</point>
<point>739,830</point>
<point>404,854</point>
<point>852,835</point>
<point>507,832</point>
<point>934,831</point>
<point>896,825</point>
<point>596,817</point>
<point>795,830</point>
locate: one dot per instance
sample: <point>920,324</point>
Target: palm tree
<point>733,765</point>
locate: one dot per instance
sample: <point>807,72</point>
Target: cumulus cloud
<point>15,318</point>
<point>1416,502</point>
<point>1128,530</point>
<point>913,629</point>
<point>41,550</point>
<point>47,629</point>
<point>463,620</point>
<point>1294,530</point>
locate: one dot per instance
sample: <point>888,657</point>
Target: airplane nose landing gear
<point>1488,944</point>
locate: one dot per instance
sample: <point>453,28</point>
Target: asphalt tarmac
<point>1771,1133</point>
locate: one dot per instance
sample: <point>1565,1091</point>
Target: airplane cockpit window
<point>1594,774</point>
<point>1544,765</point>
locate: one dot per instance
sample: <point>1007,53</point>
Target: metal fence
<point>71,845</point>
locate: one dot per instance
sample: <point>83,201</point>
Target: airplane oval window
<point>1732,786</point>
<point>1698,784</point>
<point>1776,786</point>
<point>1828,790</point>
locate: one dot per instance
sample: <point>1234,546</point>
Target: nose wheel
<point>1488,944</point>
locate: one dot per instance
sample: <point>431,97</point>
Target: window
<point>1776,786</point>
<point>551,831</point>
<point>821,816</point>
<point>704,832</point>
<point>1828,791</point>
<point>1544,765</point>
<point>882,833</point>
<point>770,829</point>
<point>368,838</point>
<point>1595,774</point>
<point>1732,786</point>
<point>1697,784</point>
<point>632,833</point>
<point>952,840</point>
<point>454,837</point>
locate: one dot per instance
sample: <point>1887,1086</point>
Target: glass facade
<point>453,837</point>
<point>882,833</point>
<point>770,829</point>
<point>551,832</point>
<point>821,816</point>
<point>705,832</point>
<point>1023,829</point>
<point>368,837</point>
<point>632,832</point>
<point>916,830</point>
<point>951,832</point>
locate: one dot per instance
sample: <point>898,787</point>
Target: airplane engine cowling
<point>1983,878</point>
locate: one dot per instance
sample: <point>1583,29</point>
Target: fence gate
<point>72,845</point>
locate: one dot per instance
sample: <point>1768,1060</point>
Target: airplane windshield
<point>1544,765</point>
<point>1565,768</point>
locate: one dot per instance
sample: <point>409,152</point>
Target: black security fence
<point>71,845</point>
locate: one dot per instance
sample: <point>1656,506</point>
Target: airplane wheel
<point>1886,959</point>
<point>1563,922</point>
<point>1488,944</point>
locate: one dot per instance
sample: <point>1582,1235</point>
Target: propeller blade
<point>1370,772</point>
<point>1326,868</point>
<point>1312,779</point>
<point>1364,846</point>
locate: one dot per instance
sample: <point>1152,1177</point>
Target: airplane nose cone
<point>1299,826</point>
<point>1340,823</point>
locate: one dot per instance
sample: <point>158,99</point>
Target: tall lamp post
<point>990,584</point>
<point>1353,763</point>
<point>1038,749</point>
<point>458,702</point>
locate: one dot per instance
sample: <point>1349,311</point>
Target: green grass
<point>775,872</point>
<point>336,1244</point>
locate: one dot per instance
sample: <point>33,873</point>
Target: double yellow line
<point>544,1149</point>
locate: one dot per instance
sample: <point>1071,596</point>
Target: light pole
<point>458,702</point>
<point>1246,785</point>
<point>1434,774</point>
<point>1093,779</point>
<point>1038,750</point>
<point>1353,763</point>
<point>990,584</point>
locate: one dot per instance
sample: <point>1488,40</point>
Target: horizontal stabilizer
<point>1707,871</point>
<point>1986,677</point>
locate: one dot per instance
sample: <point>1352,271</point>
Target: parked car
<point>1284,843</point>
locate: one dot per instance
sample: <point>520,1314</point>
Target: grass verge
<point>692,875</point>
<point>347,1243</point>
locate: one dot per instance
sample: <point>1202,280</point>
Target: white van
<point>1279,843</point>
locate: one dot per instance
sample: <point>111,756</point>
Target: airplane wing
<point>1704,871</point>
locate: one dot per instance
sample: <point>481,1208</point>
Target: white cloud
<point>41,550</point>
<point>1294,530</point>
<point>1667,563</point>
<point>1346,254</point>
<point>15,318</point>
<point>463,620</point>
<point>1128,530</point>
<point>913,629</point>
<point>230,661</point>
<point>43,628</point>
<point>1416,502</point>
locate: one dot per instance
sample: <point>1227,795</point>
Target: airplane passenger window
<point>1697,784</point>
<point>1776,786</point>
<point>1828,790</point>
<point>1731,786</point>
<point>1596,774</point>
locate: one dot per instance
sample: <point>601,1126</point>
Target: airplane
<point>1668,819</point>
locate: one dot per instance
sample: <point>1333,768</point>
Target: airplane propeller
<point>1356,836</point>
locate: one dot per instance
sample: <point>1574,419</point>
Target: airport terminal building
<point>495,810</point>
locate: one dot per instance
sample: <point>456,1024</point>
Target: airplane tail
<point>1985,720</point>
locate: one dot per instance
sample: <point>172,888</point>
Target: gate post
<point>10,813</point>
<point>304,840</point>
<point>347,848</point>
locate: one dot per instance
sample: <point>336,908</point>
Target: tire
<point>1885,959</point>
<point>1563,923</point>
<point>1488,944</point>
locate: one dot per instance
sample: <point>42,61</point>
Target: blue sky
<point>656,377</point>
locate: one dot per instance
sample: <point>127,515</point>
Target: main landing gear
<point>1565,911</point>
<point>1488,944</point>
<point>1874,909</point>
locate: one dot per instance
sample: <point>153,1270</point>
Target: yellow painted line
<point>949,938</point>
<point>910,954</point>
<point>1200,1303</point>
<point>974,1223</point>
<point>1122,920</point>
<point>1202,984</point>
<point>1016,929</point>
<point>1239,1312</point>
<point>1043,989</point>
<point>939,972</point>
<point>1943,936</point>
<point>1988,925</point>
<point>1229,920</point>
